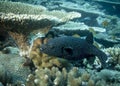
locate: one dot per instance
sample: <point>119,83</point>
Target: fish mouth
<point>41,47</point>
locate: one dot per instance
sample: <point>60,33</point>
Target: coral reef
<point>48,73</point>
<point>28,25</point>
<point>73,77</point>
<point>61,76</point>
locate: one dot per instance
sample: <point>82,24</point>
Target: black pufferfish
<point>73,48</point>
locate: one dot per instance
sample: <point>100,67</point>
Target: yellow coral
<point>91,82</point>
<point>85,76</point>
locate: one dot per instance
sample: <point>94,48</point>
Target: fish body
<point>73,48</point>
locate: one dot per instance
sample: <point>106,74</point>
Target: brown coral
<point>56,77</point>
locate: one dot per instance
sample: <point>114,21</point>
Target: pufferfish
<point>73,48</point>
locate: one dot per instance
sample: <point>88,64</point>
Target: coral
<point>1,84</point>
<point>56,77</point>
<point>59,72</point>
<point>17,18</point>
<point>105,23</point>
<point>85,77</point>
<point>50,72</point>
<point>20,8</point>
<point>72,26</point>
<point>63,15</point>
<point>5,40</point>
<point>100,83</point>
<point>21,42</point>
<point>85,8</point>
<point>114,55</point>
<point>26,23</point>
<point>91,83</point>
<point>5,77</point>
<point>106,77</point>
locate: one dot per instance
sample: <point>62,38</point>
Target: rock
<point>10,50</point>
<point>13,69</point>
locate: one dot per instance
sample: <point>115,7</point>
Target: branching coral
<point>114,54</point>
<point>56,77</point>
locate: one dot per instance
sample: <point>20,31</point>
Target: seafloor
<point>25,25</point>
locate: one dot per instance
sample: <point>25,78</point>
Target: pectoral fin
<point>101,55</point>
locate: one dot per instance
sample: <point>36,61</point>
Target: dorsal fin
<point>89,38</point>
